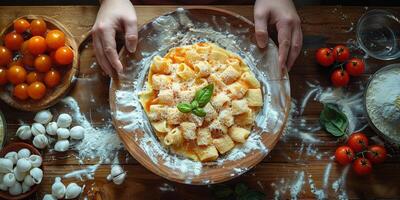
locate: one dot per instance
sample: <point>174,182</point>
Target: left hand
<point>283,14</point>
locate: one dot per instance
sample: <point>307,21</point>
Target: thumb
<point>131,35</point>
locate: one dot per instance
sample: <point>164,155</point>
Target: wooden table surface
<point>278,172</point>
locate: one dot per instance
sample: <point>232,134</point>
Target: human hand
<point>283,14</point>
<point>113,16</point>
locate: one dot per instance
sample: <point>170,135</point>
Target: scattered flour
<point>88,172</point>
<point>167,188</point>
<point>339,186</point>
<point>297,185</point>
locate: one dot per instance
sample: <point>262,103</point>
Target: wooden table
<point>322,26</point>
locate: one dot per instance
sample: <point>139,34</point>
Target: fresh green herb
<point>194,104</point>
<point>199,112</point>
<point>184,107</point>
<point>240,192</point>
<point>333,120</point>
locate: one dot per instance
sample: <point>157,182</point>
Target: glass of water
<point>378,34</point>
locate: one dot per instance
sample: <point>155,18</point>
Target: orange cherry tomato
<point>16,74</point>
<point>55,39</point>
<point>42,63</point>
<point>37,45</point>
<point>52,78</point>
<point>5,56</point>
<point>24,47</point>
<point>28,59</point>
<point>36,90</point>
<point>21,25</point>
<point>64,55</point>
<point>3,76</point>
<point>21,91</point>
<point>13,41</point>
<point>38,27</point>
<point>33,77</point>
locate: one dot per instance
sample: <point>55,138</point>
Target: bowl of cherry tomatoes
<point>38,62</point>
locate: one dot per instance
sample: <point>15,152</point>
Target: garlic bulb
<point>19,176</point>
<point>6,165</point>
<point>62,133</point>
<point>77,133</point>
<point>35,160</point>
<point>116,170</point>
<point>3,187</point>
<point>43,117</point>
<point>73,191</point>
<point>25,188</point>
<point>24,132</point>
<point>9,179</point>
<point>51,128</point>
<point>64,120</point>
<point>38,129</point>
<point>24,165</point>
<point>24,153</point>
<point>28,180</point>
<point>61,145</point>
<point>117,175</point>
<point>40,141</point>
<point>58,188</point>
<point>49,197</point>
<point>13,156</point>
<point>119,179</point>
<point>15,189</point>
<point>37,175</point>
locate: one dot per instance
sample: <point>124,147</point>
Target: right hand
<point>113,16</point>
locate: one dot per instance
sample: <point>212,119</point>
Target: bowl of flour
<point>382,102</point>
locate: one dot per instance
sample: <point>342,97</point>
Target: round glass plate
<point>187,26</point>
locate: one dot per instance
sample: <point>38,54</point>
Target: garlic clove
<point>58,188</point>
<point>24,153</point>
<point>62,133</point>
<point>28,180</point>
<point>25,188</point>
<point>37,175</point>
<point>43,117</point>
<point>109,177</point>
<point>19,176</point>
<point>24,132</point>
<point>119,179</point>
<point>9,179</point>
<point>51,128</point>
<point>49,197</point>
<point>38,129</point>
<point>35,160</point>
<point>40,141</point>
<point>3,187</point>
<point>73,190</point>
<point>64,120</point>
<point>116,170</point>
<point>77,133</point>
<point>15,189</point>
<point>6,165</point>
<point>61,145</point>
<point>13,156</point>
<point>24,165</point>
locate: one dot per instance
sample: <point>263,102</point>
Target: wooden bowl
<point>52,95</point>
<point>277,101</point>
<point>16,147</point>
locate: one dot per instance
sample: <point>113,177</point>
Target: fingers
<point>284,39</point>
<point>101,58</point>
<point>261,26</point>
<point>131,35</point>
<point>295,48</point>
<point>107,38</point>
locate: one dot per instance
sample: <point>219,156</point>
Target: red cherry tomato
<point>355,67</point>
<point>16,74</point>
<point>325,57</point>
<point>33,77</point>
<point>376,154</point>
<point>21,91</point>
<point>344,155</point>
<point>13,41</point>
<point>5,56</point>
<point>21,25</point>
<point>52,78</point>
<point>55,39</point>
<point>340,78</point>
<point>64,55</point>
<point>358,141</point>
<point>3,76</point>
<point>36,90</point>
<point>42,63</point>
<point>341,52</point>
<point>28,59</point>
<point>38,27</point>
<point>362,166</point>
<point>37,45</point>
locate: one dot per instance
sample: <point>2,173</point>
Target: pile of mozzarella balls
<point>43,124</point>
<point>19,171</point>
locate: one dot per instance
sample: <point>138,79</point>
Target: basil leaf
<point>184,107</point>
<point>240,189</point>
<point>199,112</point>
<point>204,95</point>
<point>333,120</point>
<point>195,104</point>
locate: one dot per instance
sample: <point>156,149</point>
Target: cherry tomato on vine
<point>358,141</point>
<point>325,57</point>
<point>344,155</point>
<point>36,90</point>
<point>21,25</point>
<point>55,39</point>
<point>38,27</point>
<point>16,74</point>
<point>5,56</point>
<point>362,166</point>
<point>13,41</point>
<point>355,67</point>
<point>64,55</point>
<point>37,45</point>
<point>21,91</point>
<point>42,63</point>
<point>3,76</point>
<point>33,77</point>
<point>376,154</point>
<point>341,53</point>
<point>52,78</point>
<point>340,78</point>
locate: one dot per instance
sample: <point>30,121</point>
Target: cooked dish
<point>201,100</point>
